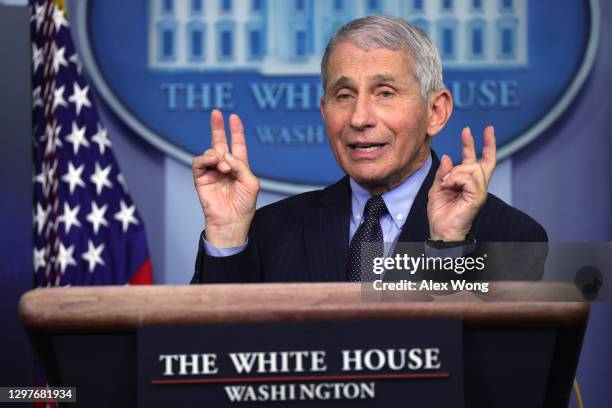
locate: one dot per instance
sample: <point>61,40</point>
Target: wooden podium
<point>514,353</point>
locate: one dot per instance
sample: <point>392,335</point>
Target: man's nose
<point>363,114</point>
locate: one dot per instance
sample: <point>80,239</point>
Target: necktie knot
<point>375,208</point>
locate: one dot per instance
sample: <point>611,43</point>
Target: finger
<point>224,167</point>
<point>239,149</point>
<point>238,167</point>
<point>217,131</point>
<point>446,165</point>
<point>205,161</point>
<point>489,152</point>
<point>212,152</point>
<point>462,182</point>
<point>210,160</point>
<point>204,168</point>
<point>468,150</point>
<point>474,170</point>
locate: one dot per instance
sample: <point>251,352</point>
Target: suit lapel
<point>416,228</point>
<point>326,228</point>
<point>326,233</point>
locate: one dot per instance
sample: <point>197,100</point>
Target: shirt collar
<point>398,200</point>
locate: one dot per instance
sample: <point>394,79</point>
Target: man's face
<point>375,115</point>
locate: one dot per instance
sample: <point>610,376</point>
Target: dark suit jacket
<point>306,237</point>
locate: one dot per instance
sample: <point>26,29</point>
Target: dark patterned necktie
<point>367,243</point>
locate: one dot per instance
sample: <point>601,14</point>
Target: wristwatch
<point>440,244</point>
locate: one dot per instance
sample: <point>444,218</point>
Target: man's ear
<point>322,107</point>
<point>439,110</point>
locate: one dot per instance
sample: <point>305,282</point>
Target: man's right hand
<point>226,187</point>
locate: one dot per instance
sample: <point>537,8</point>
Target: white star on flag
<point>59,60</point>
<point>59,19</point>
<point>73,177</point>
<point>126,216</point>
<point>76,61</point>
<point>41,216</point>
<point>58,97</point>
<point>121,181</point>
<point>101,138</point>
<point>65,258</point>
<point>51,171</point>
<point>70,217</point>
<point>96,216</point>
<point>39,258</point>
<point>36,99</point>
<point>37,57</point>
<point>92,256</point>
<point>100,178</point>
<point>47,173</point>
<point>77,138</point>
<point>39,15</point>
<point>53,142</point>
<point>79,97</point>
<point>42,178</point>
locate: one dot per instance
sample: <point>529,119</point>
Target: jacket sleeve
<point>241,267</point>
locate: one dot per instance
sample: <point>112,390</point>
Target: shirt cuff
<point>212,250</point>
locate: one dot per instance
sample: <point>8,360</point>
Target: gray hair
<point>392,33</point>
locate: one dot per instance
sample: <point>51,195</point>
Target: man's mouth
<point>366,147</point>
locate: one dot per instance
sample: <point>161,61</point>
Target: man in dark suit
<point>384,101</point>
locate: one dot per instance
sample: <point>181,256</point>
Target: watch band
<point>440,244</point>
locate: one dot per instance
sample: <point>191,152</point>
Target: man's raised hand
<point>226,187</point>
<point>459,192</point>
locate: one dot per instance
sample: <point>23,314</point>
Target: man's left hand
<point>459,192</point>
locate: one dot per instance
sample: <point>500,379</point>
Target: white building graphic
<point>288,37</point>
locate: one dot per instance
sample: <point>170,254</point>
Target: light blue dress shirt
<point>398,201</point>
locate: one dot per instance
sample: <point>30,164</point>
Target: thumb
<point>239,168</point>
<point>446,165</point>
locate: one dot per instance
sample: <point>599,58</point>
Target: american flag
<point>86,227</point>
